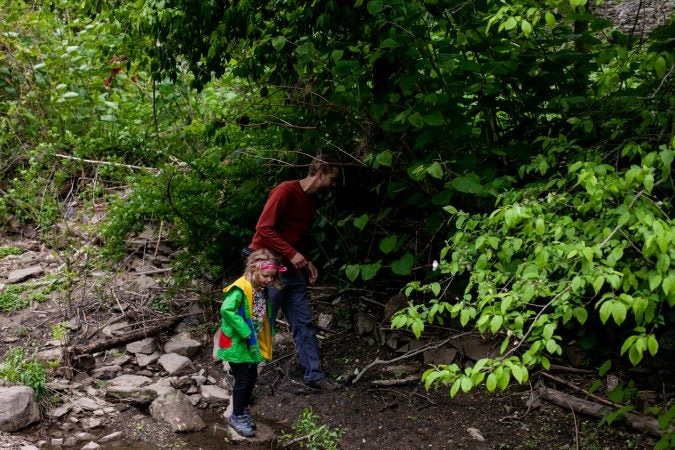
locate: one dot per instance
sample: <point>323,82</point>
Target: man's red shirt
<point>285,220</point>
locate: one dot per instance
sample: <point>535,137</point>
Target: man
<point>283,227</point>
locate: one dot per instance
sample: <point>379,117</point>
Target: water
<point>214,437</point>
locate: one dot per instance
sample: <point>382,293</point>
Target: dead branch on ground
<point>636,421</point>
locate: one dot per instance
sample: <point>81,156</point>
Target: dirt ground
<point>372,416</point>
<point>393,417</point>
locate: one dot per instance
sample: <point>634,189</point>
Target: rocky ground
<point>134,342</point>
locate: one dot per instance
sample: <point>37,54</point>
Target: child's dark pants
<point>245,376</point>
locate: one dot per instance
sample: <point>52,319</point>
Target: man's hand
<point>313,272</point>
<point>298,261</point>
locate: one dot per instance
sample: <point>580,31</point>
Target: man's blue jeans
<point>293,300</point>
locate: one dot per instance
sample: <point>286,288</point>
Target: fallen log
<point>101,344</point>
<point>636,421</point>
<point>397,381</point>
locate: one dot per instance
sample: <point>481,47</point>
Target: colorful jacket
<point>237,340</point>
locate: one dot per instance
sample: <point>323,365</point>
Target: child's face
<point>264,277</point>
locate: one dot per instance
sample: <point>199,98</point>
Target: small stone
<point>111,437</point>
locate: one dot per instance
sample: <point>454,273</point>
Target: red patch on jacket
<point>224,341</point>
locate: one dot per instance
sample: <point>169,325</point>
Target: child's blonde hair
<point>255,261</point>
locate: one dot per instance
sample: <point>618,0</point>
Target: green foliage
<point>15,297</point>
<point>307,433</point>
<point>666,421</point>
<point>5,251</point>
<point>73,110</point>
<point>545,134</point>
<point>16,367</point>
<point>592,246</point>
<point>442,101</point>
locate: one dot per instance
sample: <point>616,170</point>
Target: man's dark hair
<point>323,162</point>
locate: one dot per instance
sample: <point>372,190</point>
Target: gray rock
<point>145,346</point>
<point>441,355</point>
<point>106,372</point>
<point>18,408</point>
<point>114,328</point>
<point>117,435</point>
<point>210,391</point>
<point>19,275</point>
<point>88,404</point>
<point>130,394</point>
<point>176,364</point>
<point>131,380</point>
<point>475,347</point>
<point>131,389</point>
<point>175,408</point>
<point>145,360</point>
<point>182,344</point>
<point>50,354</point>
<point>364,323</point>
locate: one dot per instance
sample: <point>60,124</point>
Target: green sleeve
<point>232,322</point>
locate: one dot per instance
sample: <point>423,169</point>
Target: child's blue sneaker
<point>240,424</point>
<point>249,418</point>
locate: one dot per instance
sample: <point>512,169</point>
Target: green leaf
<point>464,316</point>
<point>352,271</point>
<point>491,382</point>
<point>660,66</point>
<point>384,158</point>
<point>668,283</point>
<point>619,312</point>
<point>416,120</point>
<point>496,323</point>
<point>368,271</point>
<point>652,344</point>
<point>654,280</point>
<point>550,19</point>
<point>509,24</point>
<point>388,43</point>
<point>434,119</point>
<point>635,355</point>
<point>404,265</point>
<point>469,183</point>
<point>435,170</point>
<point>362,221</point>
<point>388,244</point>
<point>374,7</point>
<point>551,346</point>
<point>581,314</point>
<point>663,263</point>
<point>430,377</point>
<point>628,343</point>
<point>455,388</point>
<point>604,368</point>
<point>504,378</point>
<point>417,328</point>
<point>467,384</point>
<point>278,43</point>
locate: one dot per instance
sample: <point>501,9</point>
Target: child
<point>245,336</point>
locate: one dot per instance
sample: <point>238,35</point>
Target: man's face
<point>328,179</point>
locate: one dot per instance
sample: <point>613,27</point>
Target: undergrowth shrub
<point>18,367</point>
<point>308,433</point>
<point>586,255</point>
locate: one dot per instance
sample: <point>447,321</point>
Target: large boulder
<point>18,408</point>
<point>175,408</point>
